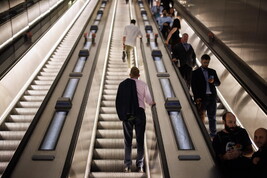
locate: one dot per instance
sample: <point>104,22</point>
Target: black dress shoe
<point>140,169</point>
<point>127,169</point>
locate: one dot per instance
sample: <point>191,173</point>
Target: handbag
<point>123,55</point>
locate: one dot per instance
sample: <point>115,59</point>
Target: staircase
<point>108,154</point>
<point>17,122</point>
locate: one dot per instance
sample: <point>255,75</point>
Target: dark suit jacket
<point>186,57</point>
<point>198,83</point>
<point>126,99</point>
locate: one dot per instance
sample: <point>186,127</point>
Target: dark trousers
<point>139,124</point>
<point>209,104</point>
<point>186,72</point>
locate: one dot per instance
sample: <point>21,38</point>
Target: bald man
<point>259,158</point>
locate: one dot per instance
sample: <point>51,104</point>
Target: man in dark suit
<point>203,84</point>
<point>184,56</point>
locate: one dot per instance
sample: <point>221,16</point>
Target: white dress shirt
<point>131,32</point>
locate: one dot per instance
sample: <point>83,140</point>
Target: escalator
<point>108,152</point>
<point>17,122</point>
<point>108,145</point>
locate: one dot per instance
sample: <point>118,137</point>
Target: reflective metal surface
<point>240,24</point>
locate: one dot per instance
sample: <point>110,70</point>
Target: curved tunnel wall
<point>240,24</point>
<point>26,16</point>
<point>240,102</point>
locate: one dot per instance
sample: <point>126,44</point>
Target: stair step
<point>112,143</point>
<point>108,103</point>
<point>11,135</point>
<point>104,133</point>
<point>109,166</point>
<point>9,144</point>
<point>3,166</point>
<point>27,104</point>
<point>26,111</point>
<point>108,117</point>
<point>109,125</point>
<point>36,92</point>
<point>20,118</point>
<point>33,98</point>
<point>6,155</point>
<point>108,110</point>
<point>15,126</point>
<point>111,154</point>
<point>117,175</point>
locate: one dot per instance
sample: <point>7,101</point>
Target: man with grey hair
<point>185,58</point>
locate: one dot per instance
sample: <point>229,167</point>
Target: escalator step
<point>3,166</point>
<point>112,143</point>
<point>110,133</point>
<point>110,92</point>
<point>111,154</point>
<point>20,118</point>
<point>36,92</point>
<point>113,82</point>
<point>122,67</point>
<point>45,78</point>
<point>116,175</point>
<point>40,87</point>
<point>111,69</point>
<point>220,112</point>
<point>26,111</point>
<point>33,98</point>
<point>109,165</point>
<point>108,110</point>
<point>109,125</point>
<point>15,126</point>
<point>40,82</point>
<point>107,103</point>
<point>111,87</point>
<point>108,117</point>
<point>121,77</point>
<point>116,73</point>
<point>49,74</point>
<point>11,135</point>
<point>9,144</point>
<point>6,155</point>
<point>26,104</point>
<point>109,97</point>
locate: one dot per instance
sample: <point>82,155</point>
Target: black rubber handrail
<point>254,85</point>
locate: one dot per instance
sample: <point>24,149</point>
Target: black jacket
<point>186,57</point>
<point>126,99</point>
<point>198,83</point>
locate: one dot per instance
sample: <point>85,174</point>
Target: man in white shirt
<point>131,32</point>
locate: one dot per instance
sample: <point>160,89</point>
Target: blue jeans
<point>128,126</point>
